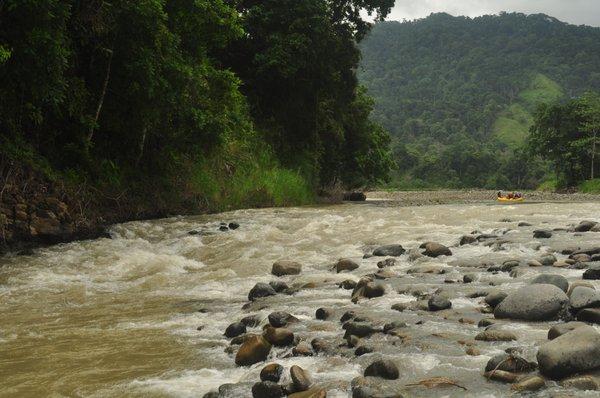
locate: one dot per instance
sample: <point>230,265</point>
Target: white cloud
<point>577,12</point>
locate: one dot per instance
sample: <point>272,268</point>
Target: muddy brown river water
<point>120,317</point>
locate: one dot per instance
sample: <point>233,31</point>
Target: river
<point>143,313</point>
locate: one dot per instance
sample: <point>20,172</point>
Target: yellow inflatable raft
<point>507,200</point>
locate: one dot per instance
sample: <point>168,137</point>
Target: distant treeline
<point>198,103</point>
<point>459,95</point>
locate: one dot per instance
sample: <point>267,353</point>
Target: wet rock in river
<point>574,352</point>
<point>300,378</point>
<point>589,383</point>
<point>385,369</point>
<point>320,345</point>
<point>302,349</point>
<point>562,328</point>
<point>323,313</point>
<point>496,335</point>
<point>542,234</point>
<point>584,297</point>
<point>508,265</point>
<point>467,240</point>
<point>388,327</point>
<point>251,321</point>
<point>233,225</point>
<point>286,267</point>
<point>271,372</point>
<point>590,315</point>
<point>469,278</point>
<point>360,329</point>
<point>367,289</point>
<point>254,350</point>
<point>495,297</point>
<point>348,315</point>
<point>279,286</point>
<point>261,290</point>
<point>510,363</point>
<point>279,337</point>
<point>547,259</point>
<point>581,258</point>
<point>362,350</point>
<point>485,322</point>
<point>585,226</point>
<point>438,303</point>
<point>280,319</point>
<point>592,273</point>
<point>502,376</point>
<point>345,264</point>
<point>388,262</point>
<point>434,249</point>
<point>524,224</point>
<point>314,392</point>
<point>534,263</point>
<point>551,279</point>
<point>389,251</point>
<point>543,303</point>
<point>348,284</point>
<point>235,329</point>
<point>426,269</point>
<point>532,383</point>
<point>267,389</point>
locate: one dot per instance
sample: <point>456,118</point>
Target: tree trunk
<point>102,95</point>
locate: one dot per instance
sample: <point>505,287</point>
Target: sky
<point>578,12</point>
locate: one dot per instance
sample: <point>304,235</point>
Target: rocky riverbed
<point>354,300</point>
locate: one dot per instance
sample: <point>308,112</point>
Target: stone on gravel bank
<point>562,328</point>
<point>345,264</point>
<point>592,273</point>
<point>286,267</point>
<point>389,251</point>
<point>543,303</point>
<point>551,279</point>
<point>584,297</point>
<point>590,315</point>
<point>574,352</point>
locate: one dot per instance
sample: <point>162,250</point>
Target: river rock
<point>534,263</point>
<point>485,322</point>
<point>426,269</point>
<point>279,337</point>
<point>575,284</point>
<point>438,303</point>
<point>254,350</point>
<point>532,383</point>
<point>389,251</point>
<point>286,267</point>
<point>280,286</point>
<point>589,383</point>
<point>590,315</point>
<point>543,303</point>
<point>267,389</point>
<point>523,224</point>
<point>345,264</point>
<point>302,349</point>
<point>323,313</point>
<point>585,226</point>
<point>510,363</point>
<point>280,319</point>
<point>261,290</point>
<point>385,369</point>
<point>495,297</point>
<point>542,234</point>
<point>467,240</point>
<point>314,392</point>
<point>359,329</point>
<point>581,258</point>
<point>584,297</point>
<point>551,279</point>
<point>469,278</point>
<point>508,265</point>
<point>496,335</point>
<point>362,350</point>
<point>547,259</point>
<point>434,249</point>
<point>574,352</point>
<point>271,372</point>
<point>235,329</point>
<point>388,262</point>
<point>502,376</point>
<point>348,284</point>
<point>562,328</point>
<point>251,321</point>
<point>300,378</point>
<point>592,273</point>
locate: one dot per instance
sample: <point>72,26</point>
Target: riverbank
<point>421,198</point>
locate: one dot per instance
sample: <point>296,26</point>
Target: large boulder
<point>574,352</point>
<point>543,303</point>
<point>590,315</point>
<point>383,368</point>
<point>551,279</point>
<point>389,251</point>
<point>286,267</point>
<point>279,337</point>
<point>495,297</point>
<point>563,328</point>
<point>542,234</point>
<point>434,249</point>
<point>438,303</point>
<point>585,226</point>
<point>254,350</point>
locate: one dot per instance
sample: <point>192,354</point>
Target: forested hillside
<point>151,107</point>
<point>459,94</point>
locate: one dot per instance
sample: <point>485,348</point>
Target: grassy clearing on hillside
<point>512,126</point>
<point>542,90</point>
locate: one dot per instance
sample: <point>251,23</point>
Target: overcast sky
<point>578,12</point>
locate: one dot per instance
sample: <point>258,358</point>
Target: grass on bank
<point>590,186</point>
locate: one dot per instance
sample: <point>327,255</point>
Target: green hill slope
<point>445,80</point>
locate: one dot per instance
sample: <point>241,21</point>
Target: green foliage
<point>590,186</point>
<point>442,78</point>
<point>549,185</point>
<point>160,101</point>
